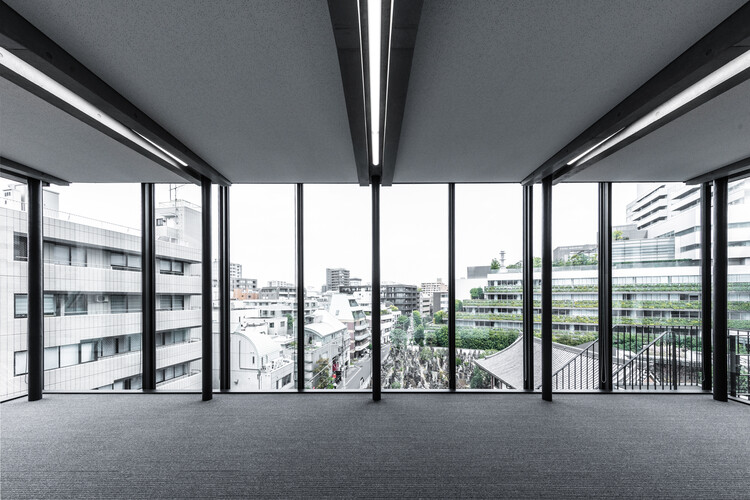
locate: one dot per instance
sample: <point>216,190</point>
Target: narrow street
<point>360,372</point>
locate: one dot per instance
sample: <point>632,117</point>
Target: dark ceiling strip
<point>18,170</point>
<point>737,169</point>
<point>28,43</point>
<point>188,174</point>
<point>707,55</point>
<point>345,23</point>
<point>406,15</point>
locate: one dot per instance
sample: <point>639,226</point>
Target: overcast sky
<point>414,231</point>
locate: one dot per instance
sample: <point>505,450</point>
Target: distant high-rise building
<point>437,286</point>
<point>336,278</point>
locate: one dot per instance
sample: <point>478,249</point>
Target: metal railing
<point>739,363</point>
<point>657,358</point>
<point>653,358</point>
<point>581,372</point>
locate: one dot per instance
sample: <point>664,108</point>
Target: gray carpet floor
<point>344,445</point>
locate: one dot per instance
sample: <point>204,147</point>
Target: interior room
<point>374,248</point>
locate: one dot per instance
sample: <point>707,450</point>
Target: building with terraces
<point>655,282</point>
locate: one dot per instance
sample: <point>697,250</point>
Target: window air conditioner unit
<point>101,298</point>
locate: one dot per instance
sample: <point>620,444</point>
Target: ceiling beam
<point>28,43</point>
<point>718,47</point>
<point>19,170</point>
<point>345,23</point>
<point>406,15</point>
<point>740,168</point>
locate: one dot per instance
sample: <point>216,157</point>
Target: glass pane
<point>165,302</point>
<point>78,256</point>
<point>93,226</point>
<point>61,254</point>
<point>263,289</point>
<point>134,261</point>
<point>489,279</point>
<point>575,290</point>
<point>21,306</point>
<point>51,358</point>
<point>738,321</point>
<point>118,304</point>
<point>179,237</point>
<point>50,304</point>
<point>411,260</point>
<point>117,259</point>
<point>656,286</point>
<point>20,363</point>
<point>338,338</point>
<point>69,355</point>
<point>88,350</point>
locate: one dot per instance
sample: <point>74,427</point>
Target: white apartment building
<point>92,283</point>
<point>346,309</point>
<point>436,286</point>
<point>261,361</point>
<point>325,338</point>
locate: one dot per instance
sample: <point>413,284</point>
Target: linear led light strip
<point>729,70</point>
<point>374,29</point>
<point>25,70</point>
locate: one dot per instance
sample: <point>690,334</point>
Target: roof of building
<point>264,344</point>
<point>507,365</point>
<point>324,324</point>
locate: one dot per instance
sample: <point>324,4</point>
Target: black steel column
<point>706,284</point>
<point>720,290</point>
<point>206,302</point>
<point>605,286</point>
<point>35,312</point>
<point>224,286</point>
<point>547,288</point>
<point>376,383</point>
<point>148,287</point>
<point>528,287</point>
<point>300,293</point>
<point>452,284</point>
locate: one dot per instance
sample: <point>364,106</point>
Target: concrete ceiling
<point>498,87</point>
<point>712,135</point>
<point>254,88</point>
<point>41,136</point>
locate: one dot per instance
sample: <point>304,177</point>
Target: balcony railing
<point>651,358</point>
<point>739,363</point>
<point>657,358</point>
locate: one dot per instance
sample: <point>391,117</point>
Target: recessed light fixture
<point>374,29</point>
<point>162,149</point>
<point>729,70</point>
<point>30,73</point>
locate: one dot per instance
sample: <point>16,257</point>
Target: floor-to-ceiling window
<point>738,299</point>
<point>178,286</point>
<point>489,287</point>
<point>656,286</point>
<point>338,269</point>
<point>575,330</point>
<point>262,289</point>
<point>414,258</point>
<point>92,287</point>
<point>13,289</point>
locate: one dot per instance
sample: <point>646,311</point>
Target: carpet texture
<point>344,445</point>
